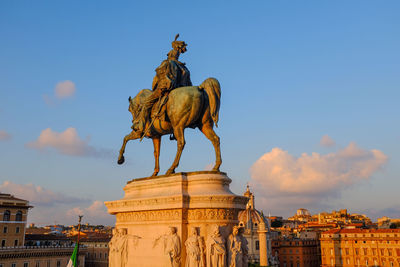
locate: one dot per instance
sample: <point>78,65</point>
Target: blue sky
<point>291,72</point>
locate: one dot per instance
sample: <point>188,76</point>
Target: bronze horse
<point>190,106</point>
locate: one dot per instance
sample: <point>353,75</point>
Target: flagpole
<point>79,235</point>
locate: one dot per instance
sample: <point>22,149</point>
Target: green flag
<point>74,257</point>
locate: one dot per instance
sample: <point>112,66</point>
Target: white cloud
<point>284,181</point>
<point>95,213</point>
<point>37,195</point>
<point>67,143</point>
<point>64,89</point>
<point>327,141</point>
<point>4,135</point>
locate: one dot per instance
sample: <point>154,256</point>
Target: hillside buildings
<point>341,217</point>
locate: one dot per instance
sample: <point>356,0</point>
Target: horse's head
<point>133,107</point>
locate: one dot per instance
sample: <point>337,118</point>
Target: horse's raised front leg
<point>208,131</point>
<point>156,143</point>
<point>180,138</point>
<point>133,135</point>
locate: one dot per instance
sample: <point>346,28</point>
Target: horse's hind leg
<point>208,131</point>
<point>180,138</point>
<point>156,143</point>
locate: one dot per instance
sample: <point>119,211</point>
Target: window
<point>365,251</point>
<point>58,263</point>
<point>18,216</point>
<point>390,251</point>
<point>16,243</point>
<point>6,217</point>
<point>3,243</point>
<point>37,264</point>
<point>257,245</point>
<point>17,230</point>
<point>5,230</point>
<point>13,265</point>
<point>48,263</point>
<point>357,251</point>
<point>347,251</point>
<point>100,255</point>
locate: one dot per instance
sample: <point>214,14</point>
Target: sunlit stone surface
<point>159,212</point>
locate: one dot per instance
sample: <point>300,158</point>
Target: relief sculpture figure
<point>216,250</point>
<point>113,249</point>
<point>235,248</point>
<point>173,105</point>
<point>119,248</point>
<point>245,248</point>
<point>194,250</point>
<point>171,246</point>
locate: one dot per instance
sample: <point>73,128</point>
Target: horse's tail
<point>213,90</point>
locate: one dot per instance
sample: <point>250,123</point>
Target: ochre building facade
<point>13,215</point>
<point>296,252</point>
<point>361,247</point>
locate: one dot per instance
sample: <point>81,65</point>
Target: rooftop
<point>361,231</point>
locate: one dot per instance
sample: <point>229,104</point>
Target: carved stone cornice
<point>183,215</point>
<point>183,190</point>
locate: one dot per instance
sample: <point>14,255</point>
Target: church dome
<point>250,218</point>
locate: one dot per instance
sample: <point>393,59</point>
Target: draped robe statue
<point>216,250</point>
<point>172,248</point>
<point>194,250</point>
<point>237,247</point>
<point>119,248</point>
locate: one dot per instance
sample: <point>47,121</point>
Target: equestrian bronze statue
<point>173,105</point>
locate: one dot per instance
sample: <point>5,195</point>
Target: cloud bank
<point>284,181</point>
<point>96,212</point>
<point>66,143</point>
<point>54,207</point>
<point>38,195</point>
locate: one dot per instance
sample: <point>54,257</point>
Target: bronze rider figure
<point>170,74</point>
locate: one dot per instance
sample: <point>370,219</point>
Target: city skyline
<point>308,116</point>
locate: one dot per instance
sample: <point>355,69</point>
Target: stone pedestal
<point>153,206</point>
